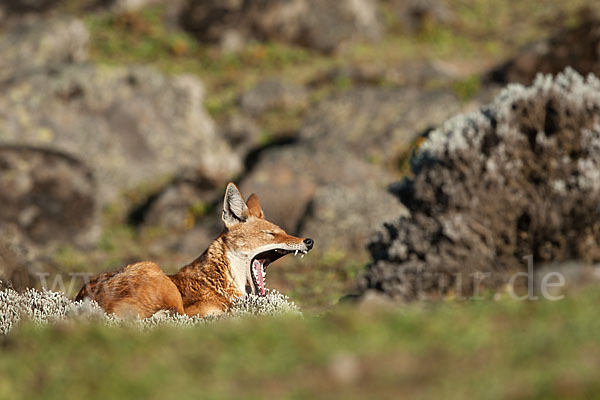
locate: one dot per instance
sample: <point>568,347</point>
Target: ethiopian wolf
<point>234,264</point>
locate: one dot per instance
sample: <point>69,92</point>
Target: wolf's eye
<point>271,234</point>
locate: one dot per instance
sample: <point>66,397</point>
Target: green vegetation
<point>452,350</point>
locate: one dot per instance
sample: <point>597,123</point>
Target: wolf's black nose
<point>309,243</point>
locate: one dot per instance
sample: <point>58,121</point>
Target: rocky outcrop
<point>518,178</point>
<point>321,25</point>
<point>48,195</point>
<point>578,48</point>
<point>131,125</point>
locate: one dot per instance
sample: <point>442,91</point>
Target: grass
<point>452,350</point>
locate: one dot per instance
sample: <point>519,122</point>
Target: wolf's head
<point>252,242</point>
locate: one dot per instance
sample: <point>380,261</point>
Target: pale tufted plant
<point>43,307</point>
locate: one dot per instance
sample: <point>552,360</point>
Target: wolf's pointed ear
<point>254,206</point>
<point>234,207</point>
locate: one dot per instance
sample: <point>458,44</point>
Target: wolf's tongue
<point>257,265</point>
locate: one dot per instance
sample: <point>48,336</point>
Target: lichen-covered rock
<point>131,125</point>
<point>322,25</point>
<point>30,46</point>
<point>520,177</point>
<point>43,307</point>
<point>50,196</point>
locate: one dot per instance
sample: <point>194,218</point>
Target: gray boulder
<point>342,217</point>
<point>178,204</point>
<point>131,125</point>
<point>49,196</point>
<point>305,186</point>
<point>242,133</point>
<point>31,46</point>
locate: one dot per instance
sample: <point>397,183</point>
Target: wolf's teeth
<point>295,254</point>
<point>302,256</point>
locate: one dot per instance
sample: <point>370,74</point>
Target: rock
<point>320,25</point>
<point>49,195</point>
<point>342,217</point>
<point>178,204</point>
<point>20,262</point>
<point>293,184</point>
<point>31,46</point>
<point>578,48</point>
<point>518,178</point>
<point>270,94</point>
<point>131,125</point>
<point>242,133</point>
<point>377,124</point>
<point>283,189</point>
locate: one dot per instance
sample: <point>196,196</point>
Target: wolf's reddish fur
<point>208,284</point>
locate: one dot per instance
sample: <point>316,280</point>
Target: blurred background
<point>122,121</point>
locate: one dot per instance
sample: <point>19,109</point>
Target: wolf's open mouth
<point>260,262</point>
